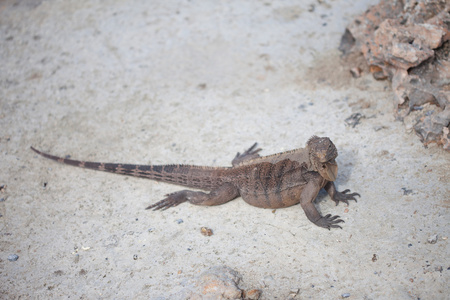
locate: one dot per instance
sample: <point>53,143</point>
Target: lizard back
<point>300,155</point>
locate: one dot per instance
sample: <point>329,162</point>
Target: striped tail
<point>206,178</point>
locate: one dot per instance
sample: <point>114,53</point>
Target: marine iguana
<point>274,181</point>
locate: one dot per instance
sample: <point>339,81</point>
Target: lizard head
<point>322,154</point>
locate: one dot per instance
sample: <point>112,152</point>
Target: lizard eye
<point>324,166</point>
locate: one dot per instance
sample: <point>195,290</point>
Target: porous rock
<point>220,282</point>
<point>408,42</point>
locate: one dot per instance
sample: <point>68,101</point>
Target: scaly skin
<point>273,181</point>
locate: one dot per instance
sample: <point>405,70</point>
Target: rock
<point>252,294</point>
<point>219,282</point>
<point>433,239</point>
<point>356,72</point>
<point>354,119</point>
<point>408,42</point>
<point>13,257</point>
<point>206,231</point>
<point>431,125</point>
<point>293,293</point>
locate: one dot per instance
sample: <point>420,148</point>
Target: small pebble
<point>433,239</point>
<point>13,257</point>
<point>202,86</point>
<point>356,72</point>
<point>379,127</point>
<point>293,293</point>
<point>407,191</point>
<point>151,229</point>
<point>179,221</point>
<point>354,119</point>
<point>135,257</point>
<point>254,294</point>
<point>82,272</point>
<point>346,295</point>
<point>206,231</point>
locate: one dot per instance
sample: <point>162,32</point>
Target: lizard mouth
<point>331,171</point>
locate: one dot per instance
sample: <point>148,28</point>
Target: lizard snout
<point>331,171</point>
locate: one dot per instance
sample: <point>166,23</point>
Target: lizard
<point>274,181</point>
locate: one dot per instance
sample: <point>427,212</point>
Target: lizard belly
<point>273,198</point>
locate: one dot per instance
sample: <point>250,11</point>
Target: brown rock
<point>219,282</point>
<point>408,42</point>
<point>252,294</point>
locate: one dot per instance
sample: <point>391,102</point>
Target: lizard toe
<point>329,222</point>
<point>335,226</point>
<point>250,153</point>
<point>344,197</point>
<point>171,200</point>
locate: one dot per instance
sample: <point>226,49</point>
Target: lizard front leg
<point>339,196</point>
<point>220,195</point>
<point>307,198</point>
<point>250,153</point>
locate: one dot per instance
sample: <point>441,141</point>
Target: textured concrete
<point>195,82</point>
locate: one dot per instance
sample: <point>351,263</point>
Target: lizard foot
<point>171,200</point>
<point>329,222</point>
<point>344,197</point>
<point>250,153</point>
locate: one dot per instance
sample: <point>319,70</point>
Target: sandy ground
<point>194,82</point>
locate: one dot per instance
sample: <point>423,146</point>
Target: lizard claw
<point>171,200</point>
<point>250,153</point>
<point>329,222</point>
<point>344,197</point>
<point>250,150</point>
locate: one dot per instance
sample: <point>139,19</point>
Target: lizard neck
<point>309,165</point>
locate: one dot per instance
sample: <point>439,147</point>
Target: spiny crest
<point>321,148</point>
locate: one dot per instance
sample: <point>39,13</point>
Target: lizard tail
<point>206,178</point>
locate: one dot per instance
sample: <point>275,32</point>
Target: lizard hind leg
<point>220,195</point>
<point>250,153</point>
